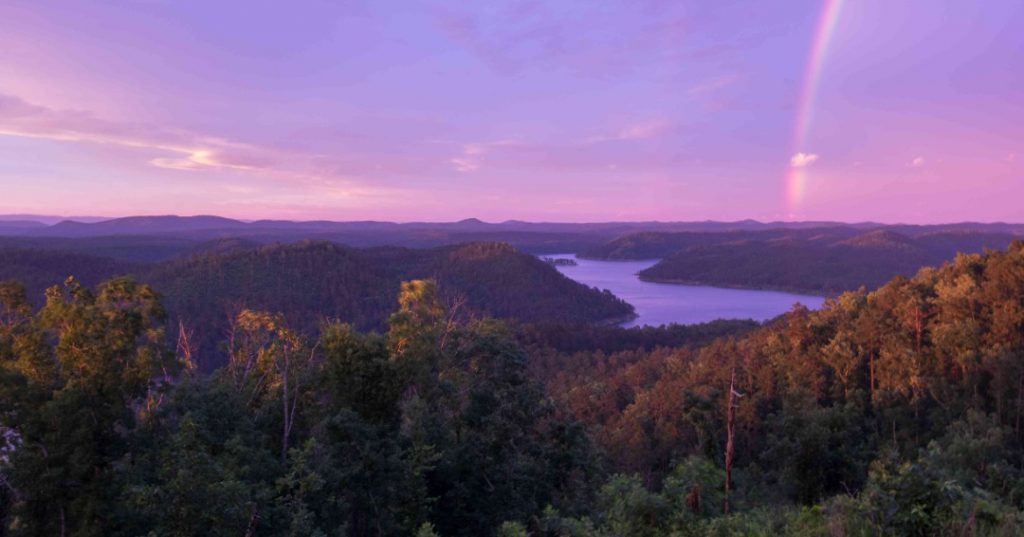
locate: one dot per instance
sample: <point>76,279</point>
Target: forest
<point>311,280</point>
<point>891,412</point>
<point>819,260</point>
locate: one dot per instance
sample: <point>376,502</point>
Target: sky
<point>845,110</point>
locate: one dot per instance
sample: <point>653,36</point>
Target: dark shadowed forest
<point>891,412</point>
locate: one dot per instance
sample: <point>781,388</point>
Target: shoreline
<point>779,289</point>
<point>700,283</point>
<point>618,320</point>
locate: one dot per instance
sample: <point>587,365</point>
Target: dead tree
<point>730,426</point>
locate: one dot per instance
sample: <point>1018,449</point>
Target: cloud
<point>465,164</point>
<point>642,130</point>
<point>802,160</point>
<point>917,162</point>
<point>187,151</point>
<point>1011,157</point>
<point>473,154</point>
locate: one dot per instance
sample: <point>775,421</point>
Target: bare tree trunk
<point>731,433</point>
<point>186,347</point>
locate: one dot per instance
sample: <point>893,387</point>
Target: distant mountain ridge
<point>79,226</point>
<point>135,225</point>
<point>19,226</point>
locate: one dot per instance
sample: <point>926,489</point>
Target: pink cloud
<point>182,150</point>
<point>191,151</point>
<point>802,160</point>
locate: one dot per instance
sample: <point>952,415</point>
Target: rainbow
<point>796,176</point>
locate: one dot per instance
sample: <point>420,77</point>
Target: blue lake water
<point>665,303</point>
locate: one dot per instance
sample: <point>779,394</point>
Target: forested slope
<point>893,412</point>
<point>313,281</point>
<point>825,261</point>
<point>901,409</point>
<point>38,269</point>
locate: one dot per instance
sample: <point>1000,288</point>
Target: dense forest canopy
<point>892,412</point>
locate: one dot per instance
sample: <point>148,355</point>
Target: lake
<point>665,303</point>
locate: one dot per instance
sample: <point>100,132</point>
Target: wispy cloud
<point>465,164</point>
<point>178,149</point>
<point>474,153</point>
<point>917,162</point>
<point>802,160</point>
<point>640,130</point>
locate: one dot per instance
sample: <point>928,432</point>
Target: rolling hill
<point>315,280</point>
<point>825,263</point>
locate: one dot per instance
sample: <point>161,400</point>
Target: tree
<point>110,353</point>
<point>269,359</point>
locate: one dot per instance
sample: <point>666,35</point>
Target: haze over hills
<point>534,237</point>
<point>139,225</point>
<point>815,257</point>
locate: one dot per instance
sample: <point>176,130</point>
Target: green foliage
<point>896,412</point>
<point>819,452</point>
<point>74,405</point>
<point>696,489</point>
<point>426,530</point>
<point>630,510</point>
<point>512,529</point>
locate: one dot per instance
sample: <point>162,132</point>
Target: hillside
<point>897,410</point>
<point>657,245</point>
<point>311,281</point>
<point>128,248</point>
<point>358,286</point>
<point>826,262</point>
<point>39,269</point>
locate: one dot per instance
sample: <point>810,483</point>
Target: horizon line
<point>89,220</point>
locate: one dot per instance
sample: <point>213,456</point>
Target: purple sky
<point>557,111</point>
